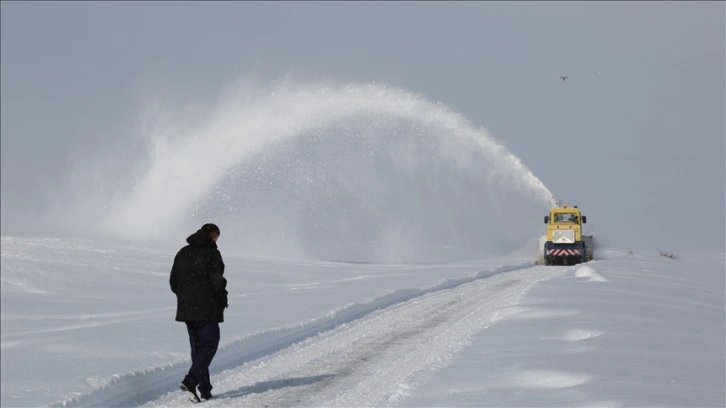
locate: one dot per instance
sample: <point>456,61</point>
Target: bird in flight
<point>563,77</point>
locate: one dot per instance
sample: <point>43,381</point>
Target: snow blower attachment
<point>564,243</point>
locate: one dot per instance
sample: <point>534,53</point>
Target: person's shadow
<point>274,385</point>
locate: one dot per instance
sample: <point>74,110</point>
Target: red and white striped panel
<point>563,252</point>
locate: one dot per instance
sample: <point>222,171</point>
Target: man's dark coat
<point>197,279</point>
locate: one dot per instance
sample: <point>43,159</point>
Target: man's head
<point>212,230</point>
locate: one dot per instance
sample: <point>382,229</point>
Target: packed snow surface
<point>86,323</point>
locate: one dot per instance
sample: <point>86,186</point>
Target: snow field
<point>647,331</point>
<point>88,324</point>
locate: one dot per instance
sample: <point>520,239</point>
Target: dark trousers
<point>204,340</point>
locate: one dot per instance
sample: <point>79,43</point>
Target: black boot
<point>184,386</point>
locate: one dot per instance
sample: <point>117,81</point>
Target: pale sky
<point>635,136</point>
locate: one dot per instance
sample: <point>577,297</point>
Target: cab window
<point>566,217</point>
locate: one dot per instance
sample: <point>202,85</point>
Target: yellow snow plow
<point>564,242</point>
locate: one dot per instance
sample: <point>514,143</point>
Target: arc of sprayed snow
<point>237,131</point>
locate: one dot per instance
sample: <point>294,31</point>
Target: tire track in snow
<point>139,387</point>
<point>367,362</point>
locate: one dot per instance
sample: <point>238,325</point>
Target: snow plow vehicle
<point>564,243</point>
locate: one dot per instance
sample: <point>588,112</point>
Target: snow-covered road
<point>88,324</point>
<point>367,361</point>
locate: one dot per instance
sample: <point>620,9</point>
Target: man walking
<point>197,279</point>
